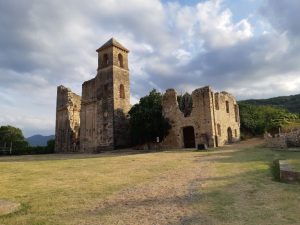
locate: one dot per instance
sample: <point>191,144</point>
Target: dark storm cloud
<point>283,15</point>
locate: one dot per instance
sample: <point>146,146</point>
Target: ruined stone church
<point>98,120</point>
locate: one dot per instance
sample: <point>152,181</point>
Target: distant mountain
<point>39,140</point>
<point>291,103</point>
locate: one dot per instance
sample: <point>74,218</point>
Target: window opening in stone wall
<point>219,129</point>
<point>229,135</point>
<point>120,60</point>
<point>236,113</point>
<point>235,132</point>
<point>217,103</point>
<point>227,106</point>
<point>122,91</point>
<point>185,103</point>
<point>105,60</point>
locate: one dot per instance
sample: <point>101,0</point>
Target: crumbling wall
<point>67,129</point>
<point>227,119</point>
<point>278,141</point>
<point>88,117</point>
<point>283,140</point>
<point>200,119</point>
<point>210,119</point>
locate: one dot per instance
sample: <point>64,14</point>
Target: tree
<point>12,137</point>
<point>258,119</point>
<point>50,146</point>
<point>185,103</point>
<point>146,119</point>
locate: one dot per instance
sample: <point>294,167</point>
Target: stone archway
<point>229,135</point>
<point>189,137</point>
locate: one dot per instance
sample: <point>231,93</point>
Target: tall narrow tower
<point>106,101</point>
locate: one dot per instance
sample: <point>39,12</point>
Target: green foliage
<point>255,120</point>
<point>185,103</point>
<point>12,137</point>
<point>146,119</point>
<point>33,150</point>
<point>50,146</point>
<point>291,103</point>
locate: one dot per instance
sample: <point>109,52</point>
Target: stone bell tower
<point>106,101</point>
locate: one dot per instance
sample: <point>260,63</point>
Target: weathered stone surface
<point>283,140</point>
<point>67,120</point>
<point>287,173</point>
<point>209,122</point>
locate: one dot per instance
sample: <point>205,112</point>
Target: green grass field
<point>230,185</point>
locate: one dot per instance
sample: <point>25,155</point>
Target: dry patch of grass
<point>59,189</point>
<point>7,207</point>
<point>231,185</point>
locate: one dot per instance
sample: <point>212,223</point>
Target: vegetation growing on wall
<point>185,103</point>
<point>146,119</point>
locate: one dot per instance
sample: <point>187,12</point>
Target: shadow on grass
<point>71,156</point>
<point>237,201</point>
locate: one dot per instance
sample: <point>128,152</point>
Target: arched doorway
<point>229,135</point>
<point>189,137</point>
<point>120,60</point>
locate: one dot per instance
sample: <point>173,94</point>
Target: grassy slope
<point>291,103</point>
<point>58,189</point>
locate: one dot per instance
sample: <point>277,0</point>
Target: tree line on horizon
<point>13,142</point>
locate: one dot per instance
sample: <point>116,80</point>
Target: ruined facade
<point>68,106</point>
<point>103,107</point>
<point>98,120</point>
<point>214,120</point>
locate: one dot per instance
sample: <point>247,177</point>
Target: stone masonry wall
<point>204,118</point>
<point>68,107</point>
<point>227,119</point>
<point>88,117</point>
<point>283,140</point>
<point>121,100</point>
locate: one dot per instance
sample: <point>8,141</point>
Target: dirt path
<point>166,200</point>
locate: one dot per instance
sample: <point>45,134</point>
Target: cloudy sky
<point>250,48</point>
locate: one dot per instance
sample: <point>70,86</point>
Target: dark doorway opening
<point>189,137</point>
<point>217,143</point>
<point>229,135</point>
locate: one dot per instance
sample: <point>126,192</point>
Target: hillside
<point>39,140</point>
<point>291,103</point>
